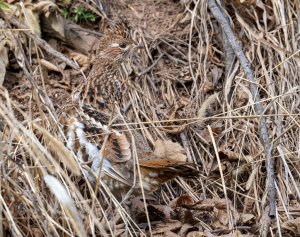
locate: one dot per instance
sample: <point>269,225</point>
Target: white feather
<point>92,150</point>
<point>114,45</point>
<point>71,137</point>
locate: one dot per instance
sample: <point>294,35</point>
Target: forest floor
<point>186,87</point>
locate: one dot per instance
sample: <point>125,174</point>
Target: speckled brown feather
<point>86,135</point>
<point>104,82</point>
<point>155,171</point>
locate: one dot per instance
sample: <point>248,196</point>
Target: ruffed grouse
<point>108,149</point>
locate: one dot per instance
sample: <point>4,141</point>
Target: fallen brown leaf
<point>184,200</point>
<point>169,150</point>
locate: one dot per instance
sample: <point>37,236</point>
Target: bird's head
<point>116,45</point>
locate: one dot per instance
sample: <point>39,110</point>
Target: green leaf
<point>64,12</point>
<point>4,6</point>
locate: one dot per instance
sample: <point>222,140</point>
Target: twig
<point>186,146</point>
<point>40,42</point>
<point>263,130</point>
<point>229,55</point>
<point>151,66</point>
<point>230,217</point>
<point>149,79</point>
<point>219,230</point>
<point>2,71</point>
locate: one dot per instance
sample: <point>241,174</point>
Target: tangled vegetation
<point>189,86</point>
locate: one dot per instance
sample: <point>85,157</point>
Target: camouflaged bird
<point>104,83</point>
<point>110,149</point>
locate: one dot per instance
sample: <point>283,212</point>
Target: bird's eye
<point>122,45</point>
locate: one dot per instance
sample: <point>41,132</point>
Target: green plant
<point>78,14</point>
<point>65,12</point>
<point>4,6</point>
<point>81,14</point>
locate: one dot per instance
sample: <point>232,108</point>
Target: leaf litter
<point>172,104</point>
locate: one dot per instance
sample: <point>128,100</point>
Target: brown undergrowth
<point>182,88</point>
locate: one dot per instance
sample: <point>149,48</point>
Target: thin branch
<point>40,42</point>
<point>151,66</point>
<point>263,130</point>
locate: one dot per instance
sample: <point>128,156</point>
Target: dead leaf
<point>242,96</point>
<point>292,225</point>
<point>81,59</point>
<point>138,202</point>
<point>196,234</point>
<point>205,136</point>
<point>219,207</point>
<point>50,66</point>
<point>184,229</point>
<point>31,19</point>
<point>169,150</point>
<point>184,200</point>
<point>163,228</point>
<point>247,218</point>
<point>216,73</point>
<point>231,155</point>
<point>37,232</point>
<point>166,210</point>
<point>207,86</point>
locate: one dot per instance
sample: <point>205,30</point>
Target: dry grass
<point>185,96</point>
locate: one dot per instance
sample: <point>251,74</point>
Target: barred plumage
<point>91,140</point>
<point>104,83</point>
